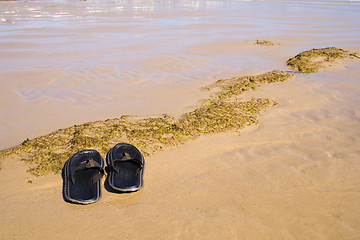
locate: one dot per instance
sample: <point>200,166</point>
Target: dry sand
<point>293,176</point>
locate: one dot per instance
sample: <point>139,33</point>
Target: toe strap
<point>126,158</point>
<point>88,164</point>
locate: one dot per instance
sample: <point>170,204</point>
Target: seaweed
<point>225,111</point>
<point>264,43</point>
<point>315,59</point>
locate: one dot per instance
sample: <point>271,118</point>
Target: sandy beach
<point>293,175</point>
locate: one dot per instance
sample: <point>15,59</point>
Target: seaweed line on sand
<point>224,111</point>
<point>318,58</point>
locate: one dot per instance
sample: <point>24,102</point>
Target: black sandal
<point>82,174</point>
<point>126,168</point>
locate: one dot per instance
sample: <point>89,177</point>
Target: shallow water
<point>65,63</point>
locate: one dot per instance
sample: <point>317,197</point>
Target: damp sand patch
<point>315,60</point>
<point>224,111</point>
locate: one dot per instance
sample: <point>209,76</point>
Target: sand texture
<point>294,176</point>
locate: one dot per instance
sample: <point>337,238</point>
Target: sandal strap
<point>126,158</point>
<point>89,164</point>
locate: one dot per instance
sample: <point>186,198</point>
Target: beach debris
<point>225,111</point>
<point>317,58</point>
<point>264,43</point>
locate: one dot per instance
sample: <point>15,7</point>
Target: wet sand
<point>293,176</point>
<point>66,63</point>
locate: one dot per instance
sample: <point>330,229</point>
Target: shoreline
<point>225,110</point>
<point>192,101</point>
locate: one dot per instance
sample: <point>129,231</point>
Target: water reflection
<point>11,12</point>
<point>150,6</point>
<point>69,9</point>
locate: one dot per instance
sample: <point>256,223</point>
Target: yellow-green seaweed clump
<point>223,113</point>
<point>315,59</point>
<point>238,85</point>
<point>264,43</point>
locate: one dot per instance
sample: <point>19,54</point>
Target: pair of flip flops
<point>83,171</point>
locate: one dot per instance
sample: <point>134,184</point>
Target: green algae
<point>354,55</point>
<point>264,43</point>
<point>238,85</point>
<point>315,59</point>
<point>225,111</point>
